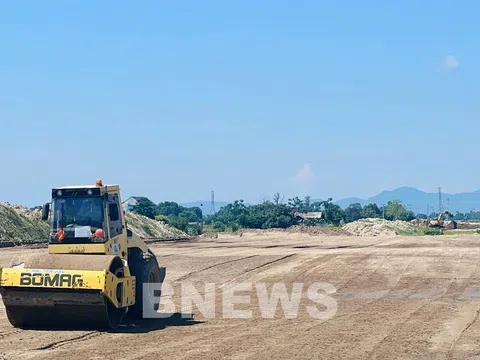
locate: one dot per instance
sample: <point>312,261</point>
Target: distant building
<point>310,215</point>
<point>131,202</point>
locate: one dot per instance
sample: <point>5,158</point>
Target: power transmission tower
<point>212,204</point>
<point>439,200</point>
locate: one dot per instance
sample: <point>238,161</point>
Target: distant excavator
<point>441,223</point>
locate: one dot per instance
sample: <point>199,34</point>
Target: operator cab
<point>84,214</point>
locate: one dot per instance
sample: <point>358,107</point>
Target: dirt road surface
<point>395,298</point>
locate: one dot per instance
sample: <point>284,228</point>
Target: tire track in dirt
<point>410,331</point>
<point>248,271</point>
<point>178,282</point>
<point>474,318</point>
<point>76,339</point>
<point>311,266</point>
<point>306,267</point>
<point>390,335</point>
<point>356,277</point>
<point>308,330</point>
<point>189,339</point>
<point>186,293</point>
<point>470,323</point>
<point>210,267</point>
<point>29,352</point>
<point>364,270</point>
<point>398,328</point>
<point>355,246</point>
<point>268,263</point>
<point>11,332</point>
<point>290,331</point>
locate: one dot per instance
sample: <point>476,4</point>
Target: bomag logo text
<point>39,279</point>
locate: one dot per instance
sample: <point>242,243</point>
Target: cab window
<point>115,222</point>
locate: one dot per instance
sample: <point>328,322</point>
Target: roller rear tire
<point>145,268</point>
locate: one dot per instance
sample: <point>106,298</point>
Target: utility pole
<point>212,204</point>
<point>439,200</point>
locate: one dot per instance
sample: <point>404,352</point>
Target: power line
<point>440,200</point>
<point>212,204</point>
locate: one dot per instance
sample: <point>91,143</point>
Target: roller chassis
<point>83,285</point>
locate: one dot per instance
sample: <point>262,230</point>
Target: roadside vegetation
<point>267,215</point>
<point>419,231</point>
<point>188,220</point>
<point>169,219</point>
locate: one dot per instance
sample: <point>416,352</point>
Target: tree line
<point>169,212</point>
<point>268,214</point>
<point>273,214</point>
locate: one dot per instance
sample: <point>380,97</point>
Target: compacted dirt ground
<point>394,298</point>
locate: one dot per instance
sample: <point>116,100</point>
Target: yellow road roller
<point>96,270</point>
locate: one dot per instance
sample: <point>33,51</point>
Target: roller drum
<point>46,308</point>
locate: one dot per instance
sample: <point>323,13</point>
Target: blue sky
<point>247,98</point>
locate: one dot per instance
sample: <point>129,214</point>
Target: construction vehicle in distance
<point>94,273</point>
<point>441,223</point>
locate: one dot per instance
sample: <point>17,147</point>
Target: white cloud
<point>305,175</point>
<point>449,62</point>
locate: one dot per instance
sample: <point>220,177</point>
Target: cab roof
<point>84,187</point>
<point>98,185</point>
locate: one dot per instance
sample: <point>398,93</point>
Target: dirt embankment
<point>21,224</point>
<point>465,225</point>
<point>379,227</point>
<point>310,230</point>
<point>363,227</point>
<point>148,228</point>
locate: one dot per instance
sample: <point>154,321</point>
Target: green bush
<point>218,226</point>
<point>147,229</point>
<point>194,229</point>
<point>162,218</point>
<point>178,222</point>
<point>433,231</point>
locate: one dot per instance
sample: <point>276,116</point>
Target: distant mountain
<point>418,201</point>
<point>351,200</point>
<point>205,205</point>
